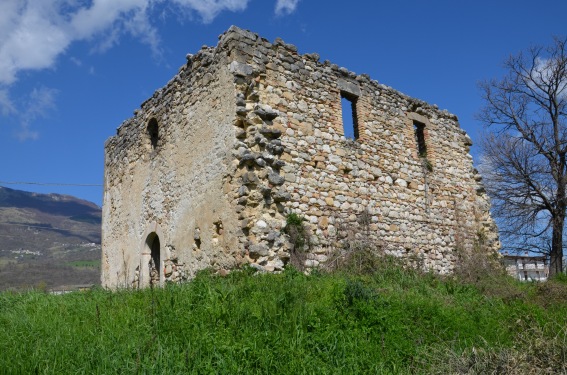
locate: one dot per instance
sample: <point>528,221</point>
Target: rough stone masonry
<point>207,170</point>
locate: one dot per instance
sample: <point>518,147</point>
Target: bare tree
<point>525,157</point>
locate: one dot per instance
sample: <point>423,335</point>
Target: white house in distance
<point>526,267</point>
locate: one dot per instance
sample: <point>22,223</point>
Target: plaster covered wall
<point>174,189</point>
<point>250,131</point>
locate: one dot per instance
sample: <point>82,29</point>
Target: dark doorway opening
<point>154,264</point>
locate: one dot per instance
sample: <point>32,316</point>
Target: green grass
<point>84,263</point>
<point>87,218</point>
<point>389,321</point>
<point>4,261</point>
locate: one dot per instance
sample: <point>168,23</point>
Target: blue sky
<point>72,70</point>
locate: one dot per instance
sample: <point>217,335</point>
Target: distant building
<point>526,267</point>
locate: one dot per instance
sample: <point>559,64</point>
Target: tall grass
<point>392,320</point>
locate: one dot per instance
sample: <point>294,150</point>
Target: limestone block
<point>275,179</point>
<point>311,263</point>
<point>258,250</point>
<point>349,87</point>
<point>240,69</point>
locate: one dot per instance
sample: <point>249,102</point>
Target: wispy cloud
<point>24,133</point>
<point>284,7</point>
<point>76,61</point>
<point>38,105</point>
<point>22,113</point>
<point>209,9</point>
<point>6,105</point>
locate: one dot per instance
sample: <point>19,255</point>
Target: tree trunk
<point>556,254</point>
<point>558,221</point>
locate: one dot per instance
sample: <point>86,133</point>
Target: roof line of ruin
<point>235,33</point>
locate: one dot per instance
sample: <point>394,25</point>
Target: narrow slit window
<point>419,130</point>
<point>350,124</point>
<point>153,133</point>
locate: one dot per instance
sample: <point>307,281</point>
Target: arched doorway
<point>152,256</point>
<point>150,266</point>
<point>154,263</point>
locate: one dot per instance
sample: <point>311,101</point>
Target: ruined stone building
<point>207,170</point>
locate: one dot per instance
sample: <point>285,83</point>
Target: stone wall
<point>175,188</point>
<point>250,131</point>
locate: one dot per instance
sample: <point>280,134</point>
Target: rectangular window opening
<point>350,122</point>
<point>419,130</point>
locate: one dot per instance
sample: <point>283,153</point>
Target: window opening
<point>350,123</point>
<point>153,132</point>
<point>419,130</point>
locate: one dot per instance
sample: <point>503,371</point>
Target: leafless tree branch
<point>525,156</point>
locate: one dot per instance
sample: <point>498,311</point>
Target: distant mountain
<point>48,240</point>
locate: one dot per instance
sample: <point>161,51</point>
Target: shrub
<point>299,238</point>
<point>533,353</point>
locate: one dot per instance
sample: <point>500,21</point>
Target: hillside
<point>48,240</point>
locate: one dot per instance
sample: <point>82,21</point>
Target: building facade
<point>208,169</point>
<point>526,267</point>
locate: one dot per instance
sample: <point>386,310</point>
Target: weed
<point>560,278</point>
<point>534,353</point>
<point>299,238</point>
<point>426,164</point>
<point>355,290</point>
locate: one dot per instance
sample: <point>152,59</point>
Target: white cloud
<point>6,105</point>
<point>102,15</point>
<point>209,9</point>
<point>31,37</point>
<point>284,7</point>
<point>40,102</point>
<point>34,33</point>
<point>140,26</point>
<point>25,111</point>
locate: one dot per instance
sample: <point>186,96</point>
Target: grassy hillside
<point>390,320</point>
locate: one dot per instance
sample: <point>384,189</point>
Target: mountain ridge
<point>48,240</point>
